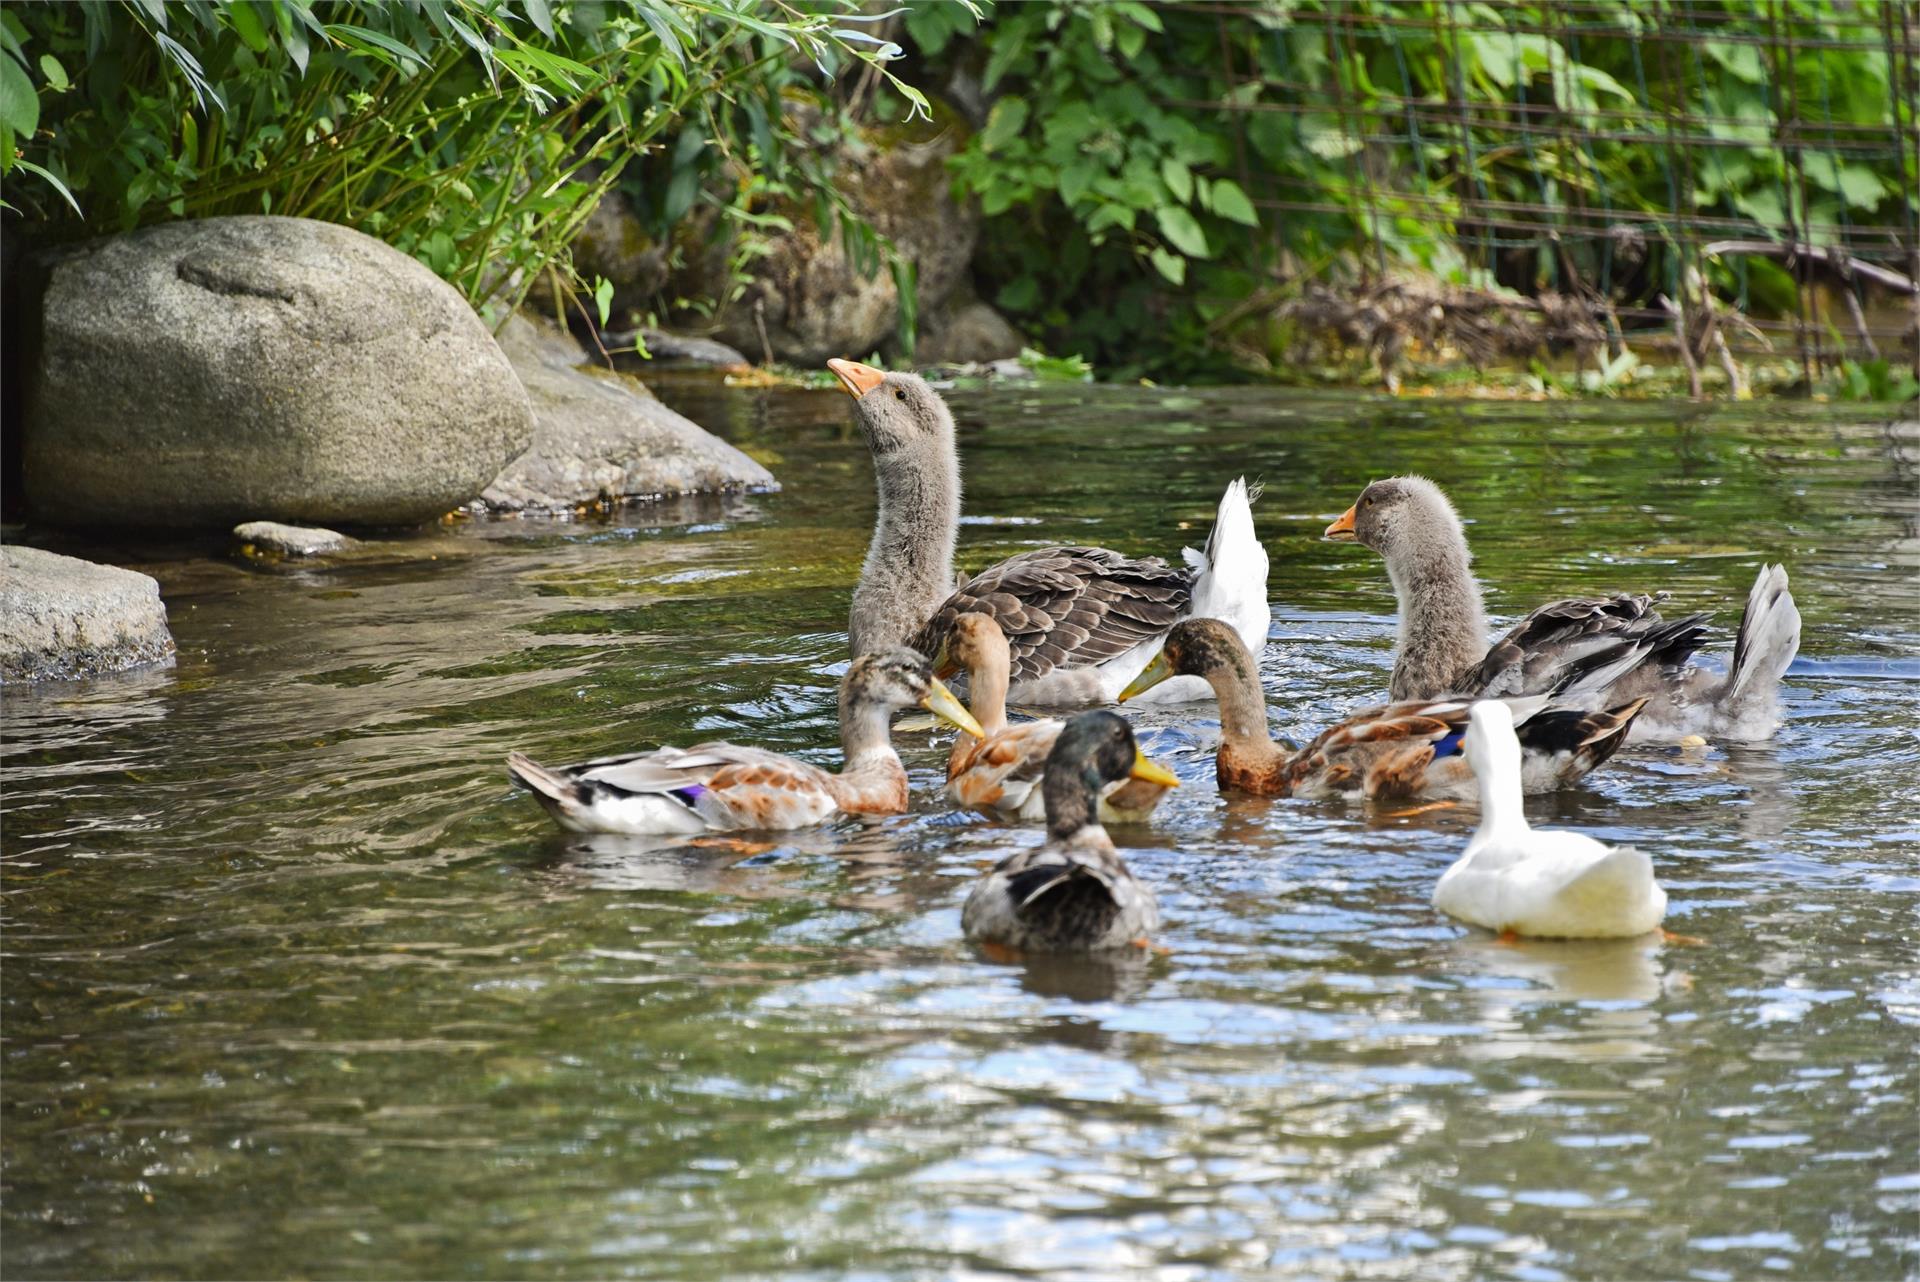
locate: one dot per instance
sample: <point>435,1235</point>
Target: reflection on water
<point>295,983</point>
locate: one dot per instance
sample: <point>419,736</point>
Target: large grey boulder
<point>202,373</point>
<point>62,617</point>
<point>600,436</point>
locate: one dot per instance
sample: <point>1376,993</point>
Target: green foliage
<point>475,135</point>
<point>1873,380</point>
<point>1148,169</point>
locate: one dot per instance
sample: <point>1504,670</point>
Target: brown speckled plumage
<point>1380,752</point>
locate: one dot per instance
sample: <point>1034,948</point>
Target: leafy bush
<point>1155,176</point>
<point>472,134</point>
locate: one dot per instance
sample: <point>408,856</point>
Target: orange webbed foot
<point>1006,954</point>
<point>1419,810</point>
<point>1682,941</point>
<point>735,844</point>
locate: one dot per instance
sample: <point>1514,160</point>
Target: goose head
<point>1399,517</point>
<point>896,411</point>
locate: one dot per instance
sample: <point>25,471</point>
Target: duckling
<point>1619,644</point>
<point>1403,750</point>
<point>1535,881</point>
<point>1080,620</point>
<point>1001,773</point>
<point>723,787</point>
<point>1075,893</point>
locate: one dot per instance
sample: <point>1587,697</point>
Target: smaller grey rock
<point>61,617</point>
<point>686,349</point>
<point>275,539</point>
<point>972,334</point>
<point>599,436</point>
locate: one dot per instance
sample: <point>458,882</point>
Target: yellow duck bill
<point>1151,771</point>
<point>1156,672</point>
<point>941,703</point>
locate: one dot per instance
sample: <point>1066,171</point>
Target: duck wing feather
<point>1533,654</point>
<point>728,785</point>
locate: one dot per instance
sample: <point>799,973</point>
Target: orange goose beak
<point>858,379</point>
<point>1341,531</point>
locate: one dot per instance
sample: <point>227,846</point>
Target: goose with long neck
<point>1534,881</point>
<point>1409,749</point>
<point>1074,893</point>
<point>1578,649</point>
<point>908,572</point>
<point>719,787</point>
<point>1079,620</point>
<point>1000,774</point>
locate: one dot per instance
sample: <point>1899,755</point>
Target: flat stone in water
<point>271,538</point>
<point>61,617</point>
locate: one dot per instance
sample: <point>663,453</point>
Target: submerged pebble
<point>271,538</point>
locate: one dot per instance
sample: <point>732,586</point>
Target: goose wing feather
<point>1565,640</point>
<point>1067,606</point>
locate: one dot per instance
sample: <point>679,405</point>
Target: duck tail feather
<point>550,788</point>
<point>1230,574</point>
<point>1769,636</point>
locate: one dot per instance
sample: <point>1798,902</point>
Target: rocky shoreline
<point>280,377</point>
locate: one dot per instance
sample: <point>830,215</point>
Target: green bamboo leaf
<point>246,23</point>
<point>53,181</point>
<point>660,20</point>
<point>373,42</point>
<point>542,16</point>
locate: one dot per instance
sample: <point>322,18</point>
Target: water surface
<point>296,984</point>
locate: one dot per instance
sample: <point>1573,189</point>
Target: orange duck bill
<point>1341,531</point>
<point>858,379</point>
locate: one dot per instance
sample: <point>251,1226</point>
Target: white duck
<point>1081,621</point>
<point>1520,880</point>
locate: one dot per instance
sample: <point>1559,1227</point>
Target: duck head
<point>896,411</point>
<point>1093,750</point>
<point>1397,515</point>
<point>975,643</point>
<point>1206,648</point>
<point>889,680</point>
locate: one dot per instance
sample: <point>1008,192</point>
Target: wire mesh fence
<point>1730,177</point>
